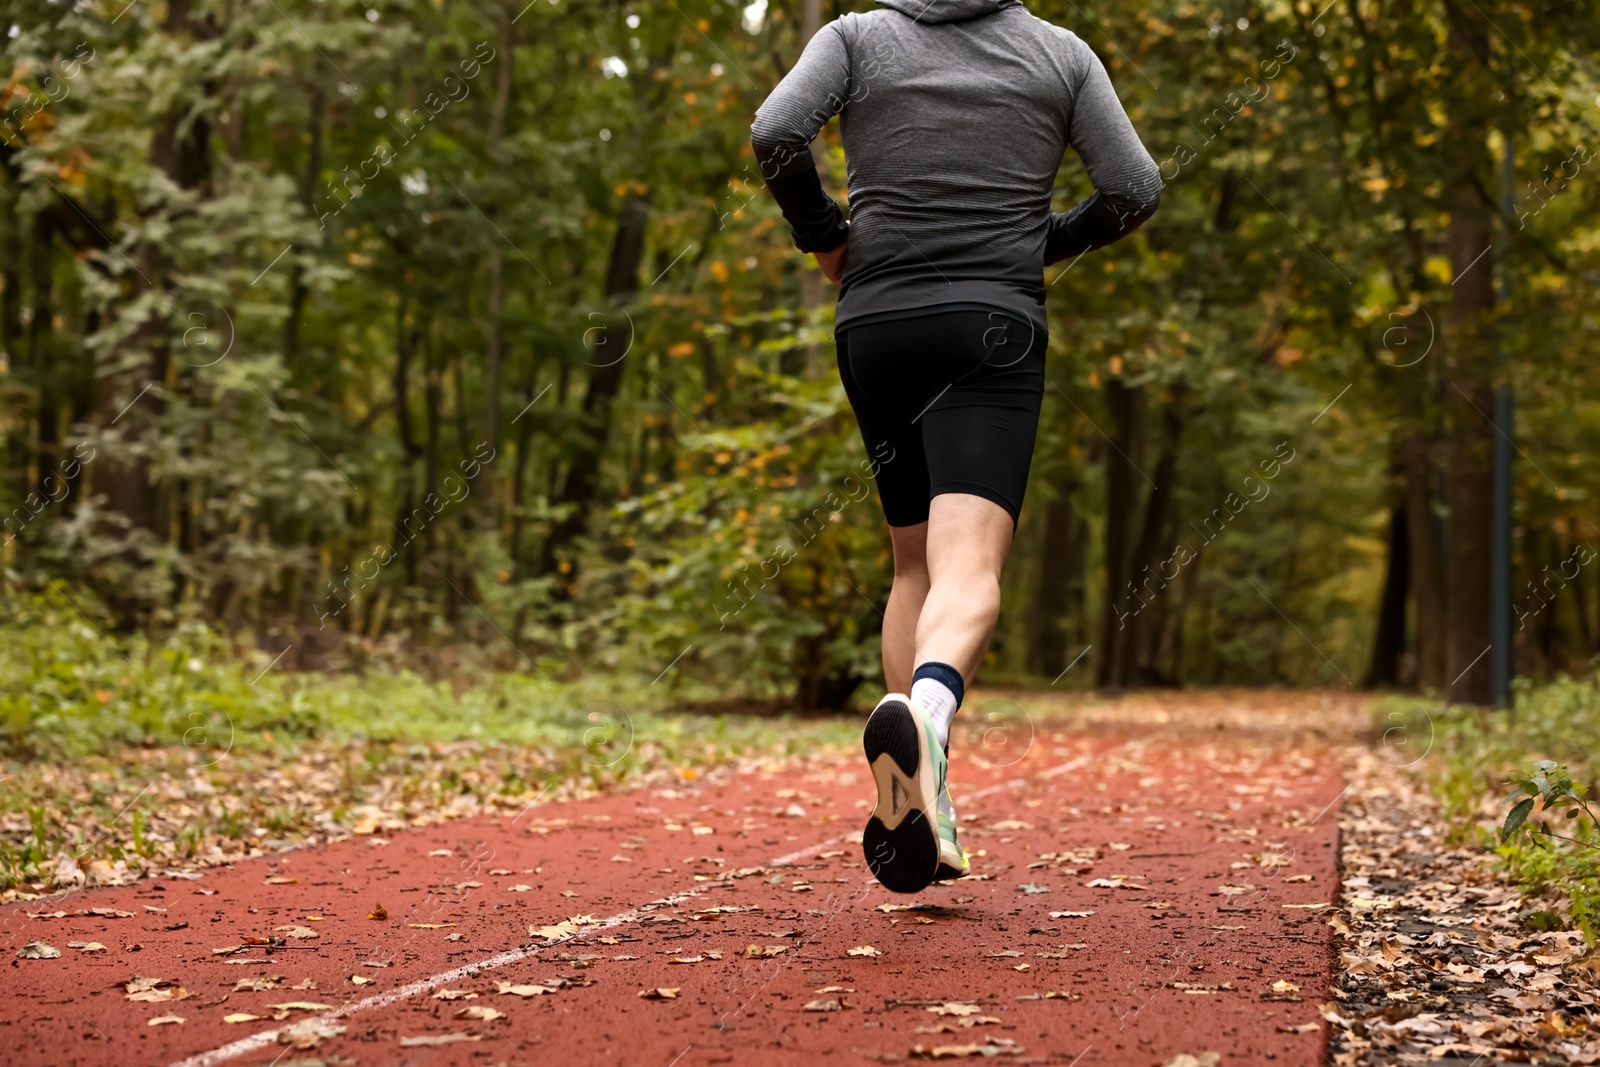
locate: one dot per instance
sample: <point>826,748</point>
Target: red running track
<point>1211,852</point>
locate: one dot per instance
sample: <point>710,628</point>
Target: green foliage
<point>1550,786</point>
<point>772,560</point>
<point>248,263</point>
<point>1547,836</point>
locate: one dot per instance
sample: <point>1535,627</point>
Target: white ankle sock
<point>935,698</point>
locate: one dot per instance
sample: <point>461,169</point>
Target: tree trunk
<point>42,260</point>
<point>1047,631</point>
<point>1389,643</point>
<point>11,279</point>
<point>497,271</point>
<point>1580,605</point>
<point>1122,499</point>
<point>1145,564</point>
<point>434,402</point>
<point>1422,532</point>
<point>1469,347</point>
<point>554,474</point>
<point>458,384</point>
<point>605,379</point>
<point>298,291</point>
<point>405,342</point>
<point>519,480</point>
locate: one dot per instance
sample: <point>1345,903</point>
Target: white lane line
<point>256,1042</point>
<point>266,1038</point>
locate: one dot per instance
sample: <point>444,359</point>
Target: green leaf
<point>1515,818</point>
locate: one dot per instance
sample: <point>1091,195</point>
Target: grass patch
<point>122,756</point>
<point>1477,755</point>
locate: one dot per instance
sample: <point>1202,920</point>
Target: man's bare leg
<point>968,538</point>
<point>906,596</point>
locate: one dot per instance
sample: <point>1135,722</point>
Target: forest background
<point>463,333</point>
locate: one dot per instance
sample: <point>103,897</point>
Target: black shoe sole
<point>903,858</point>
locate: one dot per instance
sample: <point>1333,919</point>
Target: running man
<point>955,116</point>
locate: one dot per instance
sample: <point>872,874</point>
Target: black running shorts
<point>947,403</point>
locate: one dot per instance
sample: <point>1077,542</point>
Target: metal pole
<point>1500,537</point>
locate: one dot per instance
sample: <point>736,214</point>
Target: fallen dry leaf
<point>299,933</point>
<point>760,951</point>
<point>430,926</point>
<point>659,994</point>
<point>301,1005</point>
<point>308,1033</point>
<point>38,950</point>
<point>424,1040</point>
<point>822,1005</point>
<point>865,950</point>
<point>378,912</point>
<point>242,1017</point>
<point>454,994</point>
<point>154,990</point>
<point>514,990</point>
<point>86,946</point>
<point>994,1046</point>
<point>165,1020</point>
<point>954,1007</point>
<point>1184,1059</point>
<point>482,1014</point>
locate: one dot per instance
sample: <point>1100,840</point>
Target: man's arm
<point>812,93</point>
<point>1127,182</point>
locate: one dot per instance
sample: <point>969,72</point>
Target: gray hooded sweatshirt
<point>955,115</point>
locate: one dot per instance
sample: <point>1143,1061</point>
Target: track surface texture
<point>1143,889</point>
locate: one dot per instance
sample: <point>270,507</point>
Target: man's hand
<point>832,263</point>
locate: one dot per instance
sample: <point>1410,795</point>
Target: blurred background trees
<point>435,322</point>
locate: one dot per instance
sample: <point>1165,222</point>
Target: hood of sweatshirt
<point>947,10</point>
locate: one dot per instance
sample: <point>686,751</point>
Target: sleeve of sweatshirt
<point>812,93</point>
<point>1127,182</point>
